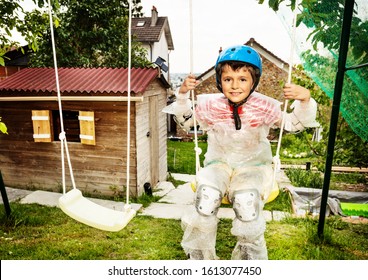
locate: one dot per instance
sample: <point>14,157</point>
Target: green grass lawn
<point>35,232</point>
<point>181,157</point>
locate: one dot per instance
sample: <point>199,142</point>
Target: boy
<point>238,162</point>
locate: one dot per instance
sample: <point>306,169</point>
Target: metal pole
<point>344,45</point>
<point>4,196</point>
<point>357,66</point>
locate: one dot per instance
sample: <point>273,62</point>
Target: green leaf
<point>3,128</point>
<point>8,31</point>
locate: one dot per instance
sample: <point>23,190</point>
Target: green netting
<point>317,44</point>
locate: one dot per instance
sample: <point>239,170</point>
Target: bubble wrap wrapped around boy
<point>238,164</point>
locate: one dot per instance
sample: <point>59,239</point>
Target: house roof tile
<point>79,80</point>
<point>141,27</point>
<point>252,41</point>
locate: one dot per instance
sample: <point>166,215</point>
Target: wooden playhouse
<point>94,102</point>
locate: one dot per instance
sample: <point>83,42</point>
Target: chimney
<point>154,16</point>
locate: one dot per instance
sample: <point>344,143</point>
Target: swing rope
<point>197,150</point>
<point>276,158</point>
<point>127,206</point>
<point>73,203</point>
<point>62,135</point>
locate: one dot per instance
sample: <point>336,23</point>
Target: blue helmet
<point>240,53</point>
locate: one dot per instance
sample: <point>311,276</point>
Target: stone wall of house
<point>207,86</point>
<point>272,80</point>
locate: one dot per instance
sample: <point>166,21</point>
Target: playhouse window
<point>71,125</point>
<point>79,126</point>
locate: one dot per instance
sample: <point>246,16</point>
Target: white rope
<point>276,158</point>
<point>129,101</point>
<point>62,135</point>
<point>197,150</point>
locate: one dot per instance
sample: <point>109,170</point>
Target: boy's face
<point>236,85</point>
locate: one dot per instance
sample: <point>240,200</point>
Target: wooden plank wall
<point>163,169</point>
<point>99,169</point>
<point>144,145</point>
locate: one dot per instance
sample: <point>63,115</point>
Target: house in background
<point>15,60</point>
<point>94,102</point>
<point>274,72</point>
<point>155,35</point>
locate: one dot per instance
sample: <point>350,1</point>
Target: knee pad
<point>208,200</point>
<point>246,204</point>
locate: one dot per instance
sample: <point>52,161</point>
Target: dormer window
<point>140,23</point>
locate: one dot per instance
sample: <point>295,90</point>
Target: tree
<point>90,33</point>
<point>14,18</point>
<point>325,19</point>
<point>8,21</point>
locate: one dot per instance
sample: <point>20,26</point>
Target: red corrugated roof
<point>79,80</point>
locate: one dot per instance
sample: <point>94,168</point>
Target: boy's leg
<point>247,188</point>
<point>199,237</point>
<point>199,223</point>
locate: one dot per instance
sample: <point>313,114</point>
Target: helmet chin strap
<point>235,107</point>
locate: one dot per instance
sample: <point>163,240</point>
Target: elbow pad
<point>183,111</point>
<point>185,120</point>
<point>303,116</point>
<point>180,106</point>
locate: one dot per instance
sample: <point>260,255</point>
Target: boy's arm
<point>303,116</point>
<point>304,109</point>
<point>182,107</point>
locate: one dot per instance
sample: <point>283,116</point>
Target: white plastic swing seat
<point>87,212</point>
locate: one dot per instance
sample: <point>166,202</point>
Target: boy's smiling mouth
<point>235,93</point>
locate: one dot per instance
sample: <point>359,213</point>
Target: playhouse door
<point>154,138</point>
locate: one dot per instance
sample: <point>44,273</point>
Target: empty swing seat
<point>74,204</point>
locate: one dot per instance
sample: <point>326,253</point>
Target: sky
<point>216,23</point>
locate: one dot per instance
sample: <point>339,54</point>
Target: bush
<point>305,178</point>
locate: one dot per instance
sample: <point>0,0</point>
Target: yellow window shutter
<point>87,127</point>
<point>42,120</point>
